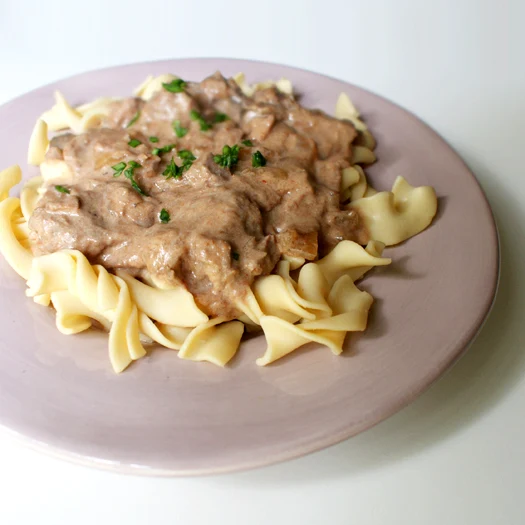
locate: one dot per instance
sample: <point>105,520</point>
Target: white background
<point>456,456</point>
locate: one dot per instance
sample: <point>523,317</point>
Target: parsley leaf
<point>118,169</point>
<point>154,139</point>
<point>173,171</point>
<point>133,119</point>
<point>229,157</point>
<point>187,158</point>
<point>258,160</point>
<point>178,129</point>
<point>186,154</point>
<point>247,143</point>
<point>177,85</point>
<point>164,149</point>
<point>164,216</point>
<point>220,117</point>
<point>195,115</point>
<point>235,255</point>
<point>134,143</point>
<point>62,189</point>
<point>129,173</point>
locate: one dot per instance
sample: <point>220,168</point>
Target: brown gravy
<point>227,224</point>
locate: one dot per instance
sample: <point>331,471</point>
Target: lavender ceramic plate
<point>169,416</point>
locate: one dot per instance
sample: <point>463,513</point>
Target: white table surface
<point>455,456</point>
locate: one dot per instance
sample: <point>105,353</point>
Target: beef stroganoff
<point>193,212</point>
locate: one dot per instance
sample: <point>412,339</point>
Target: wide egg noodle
<point>55,170</point>
<point>320,291</point>
<point>283,338</point>
<point>350,178</point>
<point>318,304</point>
<point>72,315</point>
<point>152,85</point>
<point>393,217</point>
<point>295,262</point>
<point>390,217</point>
<point>93,113</point>
<point>250,308</point>
<point>79,119</point>
<point>366,139</point>
<point>275,298</point>
<point>354,184</point>
<point>345,110</point>
<point>117,299</point>
<point>62,115</point>
<point>349,306</point>
<point>168,336</point>
<point>375,249</point>
<point>91,293</point>
<point>174,306</point>
<point>38,144</point>
<point>362,155</point>
<point>29,196</point>
<point>313,287</point>
<point>346,256</point>
<point>15,252</point>
<point>283,85</point>
<point>214,341</point>
<point>20,229</point>
<point>327,282</point>
<point>124,339</point>
<point>9,178</point>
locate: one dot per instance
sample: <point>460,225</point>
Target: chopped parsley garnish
<point>133,119</point>
<point>129,173</point>
<point>134,143</point>
<point>247,143</point>
<point>154,139</point>
<point>164,216</point>
<point>186,154</point>
<point>205,126</point>
<point>187,158</point>
<point>258,160</point>
<point>195,115</point>
<point>118,169</point>
<point>220,117</point>
<point>173,171</point>
<point>229,157</point>
<point>62,189</point>
<point>177,85</point>
<point>235,255</point>
<point>178,129</point>
<point>164,149</point>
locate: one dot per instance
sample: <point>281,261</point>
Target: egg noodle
<point>321,304</point>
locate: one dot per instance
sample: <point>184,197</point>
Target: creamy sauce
<point>227,225</point>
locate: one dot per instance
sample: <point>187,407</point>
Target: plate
<point>172,417</point>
